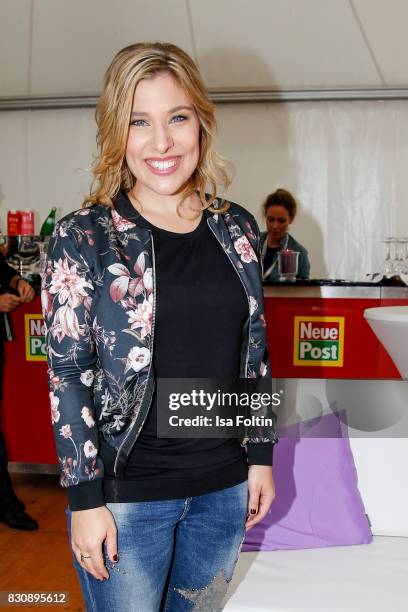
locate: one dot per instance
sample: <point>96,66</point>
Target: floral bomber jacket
<point>98,299</point>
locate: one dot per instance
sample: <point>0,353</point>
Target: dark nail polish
<point>115,558</point>
<point>253,511</point>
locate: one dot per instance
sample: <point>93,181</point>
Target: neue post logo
<point>35,337</point>
<point>318,341</point>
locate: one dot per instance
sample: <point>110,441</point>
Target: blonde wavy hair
<point>113,111</point>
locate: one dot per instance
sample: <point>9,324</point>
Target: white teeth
<point>162,165</point>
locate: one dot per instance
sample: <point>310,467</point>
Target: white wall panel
<point>73,42</point>
<point>345,161</point>
<point>13,163</point>
<point>43,160</point>
<point>60,149</point>
<point>14,47</point>
<point>385,25</point>
<point>281,43</point>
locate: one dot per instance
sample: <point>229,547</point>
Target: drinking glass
<point>288,264</point>
<point>403,255</point>
<point>389,269</point>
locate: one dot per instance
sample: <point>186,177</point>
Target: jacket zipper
<point>131,428</point>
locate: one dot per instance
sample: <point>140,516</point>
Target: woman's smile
<point>163,166</point>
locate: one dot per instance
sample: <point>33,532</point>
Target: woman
<point>154,279</point>
<point>280,210</point>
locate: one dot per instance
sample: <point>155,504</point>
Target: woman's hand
<point>261,488</point>
<point>89,529</point>
<point>8,302</point>
<point>25,290</point>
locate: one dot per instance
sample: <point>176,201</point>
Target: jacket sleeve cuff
<point>86,495</point>
<point>260,453</point>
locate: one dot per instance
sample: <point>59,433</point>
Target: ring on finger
<point>83,557</point>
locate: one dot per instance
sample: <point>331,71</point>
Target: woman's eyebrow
<point>179,108</point>
<point>172,110</point>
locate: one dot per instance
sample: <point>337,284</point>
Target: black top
<point>6,272</point>
<point>270,256</point>
<point>192,314</point>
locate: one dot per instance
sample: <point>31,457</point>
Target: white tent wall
<point>345,161</point>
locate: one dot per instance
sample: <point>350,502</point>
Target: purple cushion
<point>317,501</point>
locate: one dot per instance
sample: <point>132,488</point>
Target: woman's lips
<point>163,167</point>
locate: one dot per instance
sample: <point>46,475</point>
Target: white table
<point>364,578</point>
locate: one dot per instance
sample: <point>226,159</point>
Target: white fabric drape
<point>347,163</point>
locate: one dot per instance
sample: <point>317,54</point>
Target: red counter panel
<point>299,330</point>
<point>25,406</point>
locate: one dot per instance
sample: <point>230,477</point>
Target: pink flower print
<point>87,415</point>
<point>65,324</point>
<point>46,302</point>
<point>118,422</point>
<point>55,414</point>
<point>66,431</point>
<point>88,303</point>
<point>148,280</point>
<point>120,285</point>
<point>140,265</point>
<point>244,250</point>
<point>137,359</point>
<point>54,379</point>
<point>253,305</point>
<point>121,224</point>
<point>89,449</point>
<point>87,378</point>
<point>141,317</point>
<point>136,287</point>
<point>143,281</point>
<point>67,284</point>
<point>250,232</point>
<point>106,398</point>
<point>91,470</point>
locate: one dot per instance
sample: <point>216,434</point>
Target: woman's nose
<point>163,140</point>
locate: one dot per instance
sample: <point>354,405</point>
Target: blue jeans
<point>174,555</point>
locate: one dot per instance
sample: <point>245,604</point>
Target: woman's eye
<point>179,118</point>
<point>138,122</point>
<point>280,220</point>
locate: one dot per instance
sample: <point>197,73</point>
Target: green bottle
<point>48,226</point>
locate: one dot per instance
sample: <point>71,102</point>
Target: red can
<point>13,223</point>
<point>27,222</point>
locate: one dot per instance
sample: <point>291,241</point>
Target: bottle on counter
<point>13,223</point>
<point>48,226</point>
<point>27,222</point>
